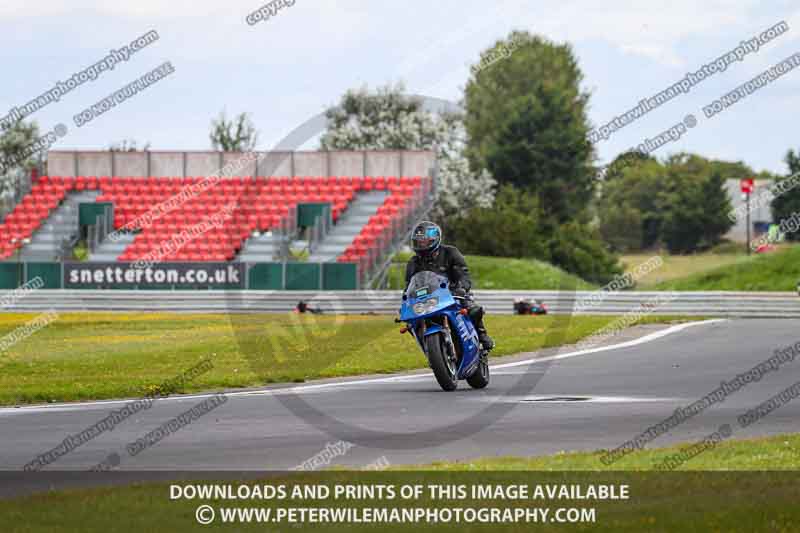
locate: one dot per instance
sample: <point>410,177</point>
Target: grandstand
<point>364,220</point>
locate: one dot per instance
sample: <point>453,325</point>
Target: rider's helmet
<point>426,238</point>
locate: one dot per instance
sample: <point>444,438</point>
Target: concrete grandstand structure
<point>368,200</point>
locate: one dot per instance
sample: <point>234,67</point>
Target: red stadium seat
<point>261,203</point>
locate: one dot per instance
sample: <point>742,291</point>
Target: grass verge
<point>743,498</point>
<point>678,267</point>
<point>778,270</point>
<point>86,356</point>
<point>773,271</point>
<point>781,452</point>
<point>502,273</point>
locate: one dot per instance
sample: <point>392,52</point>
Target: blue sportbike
<point>444,332</point>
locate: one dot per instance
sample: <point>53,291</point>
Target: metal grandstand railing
<point>285,234</point>
<point>377,276</point>
<point>317,232</point>
<point>16,184</point>
<point>380,275</point>
<point>97,233</point>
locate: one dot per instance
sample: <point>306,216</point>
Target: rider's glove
<point>458,291</point>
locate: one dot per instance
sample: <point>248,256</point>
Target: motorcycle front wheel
<point>443,366</point>
<point>480,378</point>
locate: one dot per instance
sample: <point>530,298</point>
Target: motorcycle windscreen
<point>424,284</point>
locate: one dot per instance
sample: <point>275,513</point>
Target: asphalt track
<point>601,399</point>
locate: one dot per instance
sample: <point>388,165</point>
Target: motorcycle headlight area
<point>427,306</point>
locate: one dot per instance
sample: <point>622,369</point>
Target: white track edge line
<point>305,388</point>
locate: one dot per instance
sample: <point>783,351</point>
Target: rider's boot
<point>476,315</point>
<point>486,340</point>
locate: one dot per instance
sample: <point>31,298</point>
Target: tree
<point>787,202</point>
<point>621,227</point>
<point>458,186</point>
<point>793,161</point>
<point>682,203</point>
<point>681,215</point>
<point>629,217</point>
<point>15,143</point>
<point>527,124</point>
<point>387,119</point>
<point>717,207</point>
<point>537,149</point>
<point>630,158</point>
<point>575,247</point>
<point>128,145</point>
<point>694,211</point>
<point>237,135</point>
<point>732,169</point>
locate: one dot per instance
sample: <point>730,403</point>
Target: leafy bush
<point>510,228</point>
<point>515,226</point>
<point>728,247</point>
<point>578,249</point>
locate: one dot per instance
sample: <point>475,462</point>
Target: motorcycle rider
<point>431,255</point>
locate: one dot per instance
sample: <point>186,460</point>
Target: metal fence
<point>711,304</point>
<point>102,227</point>
<point>374,264</point>
<point>16,183</point>
<point>320,229</point>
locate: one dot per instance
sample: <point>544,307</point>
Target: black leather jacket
<point>447,261</point>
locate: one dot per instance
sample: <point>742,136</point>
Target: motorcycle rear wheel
<point>444,369</point>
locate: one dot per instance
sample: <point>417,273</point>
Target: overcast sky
<point>294,65</point>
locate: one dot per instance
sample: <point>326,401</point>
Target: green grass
<point>774,271</point>
<point>677,267</point>
<point>743,498</point>
<point>83,356</point>
<point>781,452</point>
<point>722,269</point>
<point>502,273</point>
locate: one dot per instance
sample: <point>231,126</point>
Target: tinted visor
<point>420,243</point>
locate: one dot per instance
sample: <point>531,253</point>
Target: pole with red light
<point>747,185</point>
